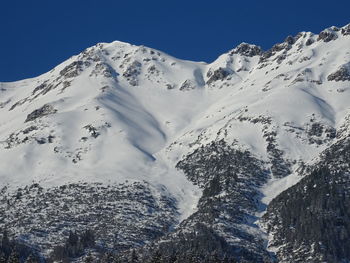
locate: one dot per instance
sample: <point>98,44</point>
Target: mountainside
<point>164,160</point>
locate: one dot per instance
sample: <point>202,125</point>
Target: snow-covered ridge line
<point>119,113</point>
<point>152,100</point>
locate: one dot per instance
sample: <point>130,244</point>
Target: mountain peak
<point>124,135</point>
<point>345,30</point>
<point>246,49</point>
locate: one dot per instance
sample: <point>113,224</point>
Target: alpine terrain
<point>123,153</point>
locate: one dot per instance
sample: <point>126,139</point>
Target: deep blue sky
<point>37,35</point>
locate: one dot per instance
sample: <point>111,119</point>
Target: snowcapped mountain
<point>176,158</point>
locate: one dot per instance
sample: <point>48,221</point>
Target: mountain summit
<point>243,159</point>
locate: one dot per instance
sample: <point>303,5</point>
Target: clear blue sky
<point>36,35</point>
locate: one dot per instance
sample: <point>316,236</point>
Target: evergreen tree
<point>2,257</point>
<point>73,245</point>
<point>133,257</point>
<point>89,259</point>
<point>214,257</point>
<point>226,259</point>
<point>173,259</point>
<point>157,257</point>
<point>119,260</point>
<point>31,259</point>
<point>6,244</point>
<point>87,239</point>
<point>72,239</point>
<point>108,258</point>
<point>14,258</point>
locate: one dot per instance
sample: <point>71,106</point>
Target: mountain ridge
<point>242,129</point>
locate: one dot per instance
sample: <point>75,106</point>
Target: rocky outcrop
<point>218,74</point>
<point>281,47</point>
<point>342,74</point>
<point>188,85</point>
<point>74,69</point>
<point>45,110</point>
<point>105,70</point>
<point>328,34</point>
<point>247,50</point>
<point>345,30</point>
<point>131,73</point>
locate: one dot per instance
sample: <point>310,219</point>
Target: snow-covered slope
<point>123,114</point>
<point>101,116</point>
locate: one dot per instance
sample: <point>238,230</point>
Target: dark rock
<point>41,140</point>
<point>18,103</point>
<point>309,42</point>
<point>281,57</point>
<point>47,86</point>
<point>73,69</point>
<point>285,46</point>
<point>131,73</point>
<point>342,74</point>
<point>105,70</point>
<point>92,130</point>
<point>45,110</point>
<point>40,87</point>
<point>188,85</point>
<point>30,129</point>
<point>170,86</point>
<point>345,30</point>
<point>248,50</point>
<point>327,35</point>
<point>50,138</point>
<point>218,74</point>
<point>290,40</point>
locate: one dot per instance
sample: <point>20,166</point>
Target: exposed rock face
<point>73,69</point>
<point>309,42</point>
<point>346,30</point>
<point>104,69</point>
<point>218,74</point>
<point>187,85</point>
<point>328,35</point>
<point>132,71</point>
<point>290,40</point>
<point>247,50</point>
<point>45,110</point>
<point>342,74</point>
<point>285,46</point>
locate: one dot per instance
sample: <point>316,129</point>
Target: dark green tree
<point>14,258</point>
<point>156,258</point>
<point>6,244</point>
<point>31,259</point>
<point>89,259</point>
<point>87,239</point>
<point>133,257</point>
<point>108,258</point>
<point>2,257</point>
